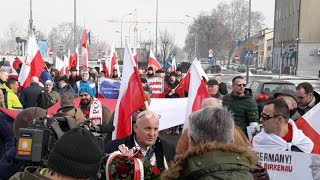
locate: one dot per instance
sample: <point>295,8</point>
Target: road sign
<point>50,53</point>
<point>248,55</point>
<point>249,47</point>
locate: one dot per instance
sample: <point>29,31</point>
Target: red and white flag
<point>85,49</point>
<point>114,61</point>
<point>75,59</point>
<point>131,96</point>
<point>59,65</point>
<point>135,55</point>
<point>309,123</point>
<point>173,64</point>
<point>33,65</point>
<point>153,62</point>
<point>197,89</point>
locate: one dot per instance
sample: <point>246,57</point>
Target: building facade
<point>296,37</point>
<point>264,36</point>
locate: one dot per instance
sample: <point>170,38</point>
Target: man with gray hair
<point>4,74</point>
<point>212,154</point>
<point>29,95</point>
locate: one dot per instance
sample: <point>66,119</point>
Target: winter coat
<point>29,95</point>
<point>29,173</point>
<point>213,161</point>
<point>244,108</point>
<point>223,88</point>
<point>73,79</point>
<point>11,99</point>
<point>162,149</point>
<point>45,75</point>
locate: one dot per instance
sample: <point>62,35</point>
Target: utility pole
<point>30,20</point>
<point>75,25</point>
<point>156,29</point>
<point>249,29</point>
<point>281,55</point>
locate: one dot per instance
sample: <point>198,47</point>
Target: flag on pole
<point>66,67</point>
<point>114,61</point>
<point>33,65</point>
<point>197,89</point>
<point>59,65</point>
<point>131,96</point>
<point>173,64</point>
<point>85,49</point>
<point>153,62</point>
<point>135,56</point>
<point>310,125</point>
<point>185,82</point>
<point>75,59</point>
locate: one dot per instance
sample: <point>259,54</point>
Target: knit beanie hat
<point>76,154</point>
<point>86,88</point>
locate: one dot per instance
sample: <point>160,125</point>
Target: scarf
<point>96,112</point>
<point>271,141</point>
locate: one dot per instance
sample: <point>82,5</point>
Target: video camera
<point>36,142</point>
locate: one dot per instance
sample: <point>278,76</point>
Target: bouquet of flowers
<point>127,164</point>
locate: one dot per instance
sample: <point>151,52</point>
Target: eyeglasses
<point>149,116</point>
<point>241,84</point>
<point>266,117</point>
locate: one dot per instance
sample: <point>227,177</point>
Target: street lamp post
<point>195,37</point>
<point>187,38</point>
<point>130,32</point>
<point>121,25</point>
<point>156,28</point>
<point>249,29</point>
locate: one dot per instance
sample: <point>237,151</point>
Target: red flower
<point>155,170</point>
<point>123,168</point>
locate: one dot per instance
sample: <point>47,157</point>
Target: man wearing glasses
<point>279,132</point>
<point>240,102</point>
<point>307,98</point>
<point>145,135</point>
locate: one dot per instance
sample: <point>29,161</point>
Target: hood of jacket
<point>210,157</point>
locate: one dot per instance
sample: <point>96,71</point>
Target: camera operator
<point>9,165</point>
<point>76,155</point>
<point>68,108</point>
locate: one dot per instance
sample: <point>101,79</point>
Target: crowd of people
<point>214,146</point>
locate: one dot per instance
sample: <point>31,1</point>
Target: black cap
<point>73,69</point>
<point>213,82</point>
<point>286,92</point>
<point>64,78</point>
<point>150,68</point>
<point>179,69</point>
<point>173,74</point>
<point>76,154</point>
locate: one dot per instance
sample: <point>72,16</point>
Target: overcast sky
<point>94,14</point>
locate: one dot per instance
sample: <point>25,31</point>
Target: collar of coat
<point>175,168</point>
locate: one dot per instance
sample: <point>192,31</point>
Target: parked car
<point>242,68</point>
<point>263,90</point>
<point>229,66</point>
<point>212,69</point>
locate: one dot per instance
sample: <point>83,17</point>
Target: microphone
<point>103,128</point>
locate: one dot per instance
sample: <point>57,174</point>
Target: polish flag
<point>197,89</point>
<point>185,82</point>
<point>153,62</point>
<point>33,65</point>
<point>66,67</point>
<point>310,125</point>
<point>59,65</point>
<point>75,59</point>
<point>85,49</point>
<point>173,64</point>
<point>131,96</point>
<point>135,56</point>
<point>114,61</point>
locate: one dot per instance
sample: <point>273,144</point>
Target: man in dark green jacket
<point>240,102</point>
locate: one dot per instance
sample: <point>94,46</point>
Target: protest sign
<point>157,86</point>
<point>109,88</point>
<point>286,165</point>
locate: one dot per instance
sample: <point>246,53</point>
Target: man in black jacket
<point>29,95</point>
<point>145,136</point>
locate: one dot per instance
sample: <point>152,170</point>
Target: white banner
<point>285,165</point>
<point>172,111</point>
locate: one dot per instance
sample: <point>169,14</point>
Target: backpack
<point>44,100</point>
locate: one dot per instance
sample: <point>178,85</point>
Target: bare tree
<point>14,31</point>
<point>166,45</point>
<point>63,35</point>
<point>235,16</point>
